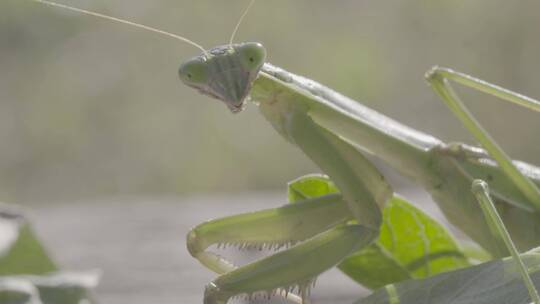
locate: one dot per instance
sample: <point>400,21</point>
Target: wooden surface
<point>140,246</point>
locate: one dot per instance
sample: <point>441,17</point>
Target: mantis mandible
<point>335,132</point>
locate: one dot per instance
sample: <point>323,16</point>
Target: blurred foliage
<point>90,108</point>
<point>27,273</point>
<point>20,250</point>
<point>26,255</point>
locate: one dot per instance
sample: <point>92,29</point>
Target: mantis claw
<point>212,295</point>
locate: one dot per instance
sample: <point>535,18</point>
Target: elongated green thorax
<point>226,73</point>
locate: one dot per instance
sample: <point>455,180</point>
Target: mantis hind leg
<point>439,80</point>
<point>481,191</point>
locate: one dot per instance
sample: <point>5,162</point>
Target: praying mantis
<point>336,132</point>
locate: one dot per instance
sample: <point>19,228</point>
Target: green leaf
<point>312,185</point>
<point>411,244</point>
<point>373,267</point>
<point>418,241</point>
<point>494,282</point>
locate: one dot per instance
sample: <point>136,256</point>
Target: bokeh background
<point>90,109</point>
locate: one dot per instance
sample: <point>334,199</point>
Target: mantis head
<point>225,72</point>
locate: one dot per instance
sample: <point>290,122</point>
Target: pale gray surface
<point>140,246</point>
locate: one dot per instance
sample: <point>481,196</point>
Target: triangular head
<point>225,72</point>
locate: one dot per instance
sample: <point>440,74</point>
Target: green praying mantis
<point>336,132</point>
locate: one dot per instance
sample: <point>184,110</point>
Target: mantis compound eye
<point>194,71</point>
<point>252,55</point>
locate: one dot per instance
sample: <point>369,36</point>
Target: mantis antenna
<point>114,19</point>
<point>240,22</point>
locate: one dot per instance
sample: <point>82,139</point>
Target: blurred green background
<point>91,109</point>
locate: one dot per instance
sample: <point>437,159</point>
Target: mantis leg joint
<point>193,245</point>
<point>437,73</point>
<point>460,151</point>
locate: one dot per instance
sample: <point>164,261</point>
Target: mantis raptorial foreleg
<point>481,191</point>
<point>291,269</point>
<point>299,265</point>
<point>361,184</point>
<point>268,229</point>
